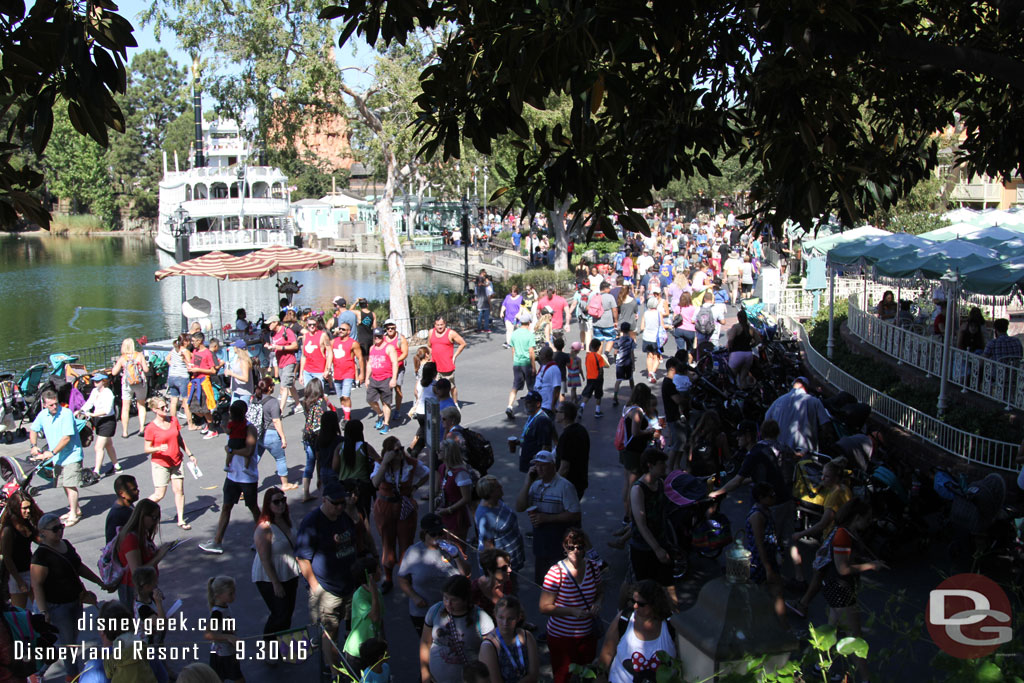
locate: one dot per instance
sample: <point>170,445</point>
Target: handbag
<point>597,625</point>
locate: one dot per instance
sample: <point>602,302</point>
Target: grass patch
<point>81,224</point>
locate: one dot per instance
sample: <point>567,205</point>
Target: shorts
<point>138,391</point>
<point>12,585</point>
<point>604,334</point>
<point>233,490</point>
<point>378,390</point>
<point>594,387</point>
<point>450,376</point>
<point>162,475</point>
<point>327,608</point>
<point>400,377</point>
<point>632,462</point>
<point>522,376</point>
<point>287,375</point>
<point>68,475</point>
<point>104,426</point>
<point>651,347</point>
<point>177,387</point>
<point>624,372</point>
<point>343,387</point>
<point>307,376</point>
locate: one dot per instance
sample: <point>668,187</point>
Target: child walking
<point>573,371</point>
<point>149,605</point>
<point>421,357</point>
<point>625,347</point>
<point>595,365</point>
<point>220,593</point>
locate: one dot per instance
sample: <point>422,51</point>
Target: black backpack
<point>479,453</point>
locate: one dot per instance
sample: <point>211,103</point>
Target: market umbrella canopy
<point>999,278</point>
<point>824,244</point>
<point>935,260</point>
<point>289,259</point>
<point>950,232</point>
<point>870,249</point>
<point>221,266</point>
<point>963,215</point>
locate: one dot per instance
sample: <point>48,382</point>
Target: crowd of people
<point>462,565</point>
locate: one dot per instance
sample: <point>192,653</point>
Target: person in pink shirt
<point>559,307</point>
<point>284,344</point>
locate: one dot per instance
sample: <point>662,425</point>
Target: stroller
<point>30,387</point>
<point>12,407</point>
<point>694,522</point>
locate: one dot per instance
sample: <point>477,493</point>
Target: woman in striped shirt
<point>571,597</point>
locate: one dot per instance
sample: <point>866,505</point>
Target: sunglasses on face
<point>640,603</point>
<point>335,502</point>
<point>56,529</point>
<point>572,548</point>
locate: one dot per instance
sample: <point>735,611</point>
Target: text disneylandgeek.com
<point>259,649</point>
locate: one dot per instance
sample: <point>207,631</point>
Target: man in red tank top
<point>445,346</point>
<point>316,351</point>
<point>394,339</point>
<point>383,368</point>
<point>347,367</point>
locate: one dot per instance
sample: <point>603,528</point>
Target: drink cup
<point>513,444</point>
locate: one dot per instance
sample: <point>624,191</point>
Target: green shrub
<point>563,281</point>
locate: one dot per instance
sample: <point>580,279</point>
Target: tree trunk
<point>399,289</point>
<point>561,239</point>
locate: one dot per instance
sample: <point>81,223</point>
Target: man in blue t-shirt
<point>326,546</point>
<point>57,424</point>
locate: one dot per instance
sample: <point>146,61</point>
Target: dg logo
<point>968,616</point>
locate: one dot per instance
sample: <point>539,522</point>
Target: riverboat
<point>233,202</point>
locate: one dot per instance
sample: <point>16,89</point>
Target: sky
<point>130,10</point>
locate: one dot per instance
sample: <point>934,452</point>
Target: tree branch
<point>928,55</point>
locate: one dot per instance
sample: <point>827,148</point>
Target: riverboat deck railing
<point>239,239</point>
<point>94,357</point>
<point>971,447</point>
<point>1000,382</point>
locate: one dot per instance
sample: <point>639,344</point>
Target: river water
<point>65,293</point>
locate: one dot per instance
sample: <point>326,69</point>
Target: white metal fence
<point>978,449</point>
<point>970,371</point>
<point>799,303</point>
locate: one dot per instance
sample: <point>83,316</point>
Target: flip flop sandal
<point>185,526</point>
<point>71,521</point>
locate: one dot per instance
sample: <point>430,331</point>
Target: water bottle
<point>448,549</point>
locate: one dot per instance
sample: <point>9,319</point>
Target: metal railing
<point>92,357</point>
<point>971,447</point>
<point>797,302</point>
<point>997,381</point>
<point>254,239</point>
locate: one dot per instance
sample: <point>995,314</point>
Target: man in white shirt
<point>549,381</point>
<point>644,263</point>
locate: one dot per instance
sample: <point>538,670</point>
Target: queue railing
<point>971,447</point>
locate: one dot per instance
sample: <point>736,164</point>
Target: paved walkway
<point>484,379</point>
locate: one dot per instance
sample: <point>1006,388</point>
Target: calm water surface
<point>65,293</point>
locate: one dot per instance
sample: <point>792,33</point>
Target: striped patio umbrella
<point>220,266</point>
<point>217,264</point>
<point>289,259</point>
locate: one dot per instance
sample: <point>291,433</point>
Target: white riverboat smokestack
<point>197,111</point>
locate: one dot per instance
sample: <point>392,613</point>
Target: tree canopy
<point>836,106</point>
<point>57,50</point>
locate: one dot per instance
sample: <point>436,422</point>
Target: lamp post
<point>950,282</point>
<point>178,222</point>
<point>465,238</point>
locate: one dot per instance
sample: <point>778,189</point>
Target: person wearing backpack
<point>704,321</point>
<point>453,492</point>
<point>637,634</point>
<point>604,311</point>
<point>133,368</point>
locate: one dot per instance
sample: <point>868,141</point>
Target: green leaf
<point>852,646</point>
<point>823,638</point>
<point>988,672</point>
<point>332,12</point>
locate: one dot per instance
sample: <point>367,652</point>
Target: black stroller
<point>694,521</point>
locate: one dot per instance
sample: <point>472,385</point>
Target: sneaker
<point>615,403</point>
<point>211,547</point>
<point>379,423</point>
<point>299,409</point>
<point>384,430</point>
<point>210,434</point>
<point>510,414</point>
<point>598,414</point>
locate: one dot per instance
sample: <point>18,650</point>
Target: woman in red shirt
<point>164,443</point>
<point>134,544</point>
